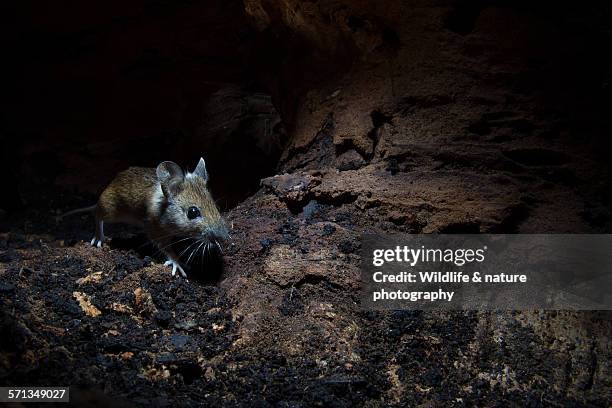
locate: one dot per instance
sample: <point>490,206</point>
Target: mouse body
<point>168,203</point>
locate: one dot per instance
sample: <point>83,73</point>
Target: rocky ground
<point>411,117</point>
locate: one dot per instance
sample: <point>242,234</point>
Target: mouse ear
<point>200,170</point>
<point>170,176</point>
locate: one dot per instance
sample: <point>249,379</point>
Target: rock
<point>144,302</point>
<point>291,187</point>
<point>285,266</point>
<point>349,160</point>
<point>93,278</point>
<point>121,308</point>
<point>85,304</point>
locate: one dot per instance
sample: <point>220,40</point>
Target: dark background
<point>90,89</point>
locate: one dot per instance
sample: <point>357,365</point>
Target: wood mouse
<point>169,203</point>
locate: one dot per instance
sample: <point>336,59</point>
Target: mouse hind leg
<point>99,234</point>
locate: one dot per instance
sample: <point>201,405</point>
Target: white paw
<point>96,242</point>
<point>175,265</point>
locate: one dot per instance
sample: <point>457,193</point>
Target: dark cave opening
<point>241,144</point>
<point>88,98</point>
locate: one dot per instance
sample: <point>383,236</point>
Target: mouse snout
<point>217,233</point>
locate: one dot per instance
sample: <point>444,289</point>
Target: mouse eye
<point>193,212</point>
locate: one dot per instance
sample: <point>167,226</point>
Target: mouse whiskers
<point>195,250</point>
<point>219,246</point>
<point>174,242</point>
<point>204,250</point>
<point>187,248</point>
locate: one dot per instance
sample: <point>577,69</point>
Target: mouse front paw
<point>96,242</point>
<point>175,266</point>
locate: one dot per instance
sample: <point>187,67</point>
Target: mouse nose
<point>218,233</point>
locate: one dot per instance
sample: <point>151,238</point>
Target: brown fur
<point>122,202</point>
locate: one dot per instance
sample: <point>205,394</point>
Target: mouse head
<point>190,209</point>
